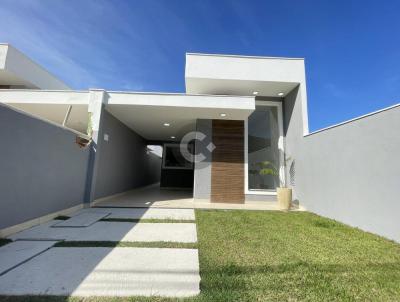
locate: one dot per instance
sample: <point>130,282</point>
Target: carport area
<point>139,146</point>
<point>124,127</point>
<point>149,196</point>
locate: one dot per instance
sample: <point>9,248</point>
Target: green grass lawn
<point>277,256</point>
<point>294,256</point>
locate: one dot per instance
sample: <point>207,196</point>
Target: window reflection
<point>263,152</point>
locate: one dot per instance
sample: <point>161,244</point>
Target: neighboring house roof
<point>19,71</point>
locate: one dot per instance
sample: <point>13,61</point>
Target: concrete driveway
<point>32,265</point>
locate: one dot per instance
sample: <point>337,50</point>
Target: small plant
<point>268,168</point>
<point>264,168</point>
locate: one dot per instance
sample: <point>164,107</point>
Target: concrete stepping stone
<point>113,231</point>
<point>144,213</point>
<point>106,272</point>
<point>39,232</point>
<point>17,252</point>
<point>84,219</point>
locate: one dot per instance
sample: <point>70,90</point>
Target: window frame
<point>280,148</point>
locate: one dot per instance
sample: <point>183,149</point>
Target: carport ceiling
<point>146,114</point>
<point>149,123</point>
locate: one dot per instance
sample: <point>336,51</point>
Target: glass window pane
<point>263,152</point>
<point>173,157</point>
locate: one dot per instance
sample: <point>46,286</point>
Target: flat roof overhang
<point>146,113</point>
<point>242,75</point>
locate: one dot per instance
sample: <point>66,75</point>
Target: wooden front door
<point>227,170</point>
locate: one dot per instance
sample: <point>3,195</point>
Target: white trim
<point>260,192</point>
<point>280,147</point>
<point>67,115</point>
<point>241,56</point>
<point>177,94</point>
<point>183,101</point>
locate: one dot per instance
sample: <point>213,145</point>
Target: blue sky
<point>352,48</point>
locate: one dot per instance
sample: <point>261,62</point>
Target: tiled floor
<point>154,197</point>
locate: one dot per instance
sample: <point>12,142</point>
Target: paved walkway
<point>31,266</point>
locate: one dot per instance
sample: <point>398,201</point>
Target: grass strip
<point>157,244</point>
<point>146,220</point>
<point>4,241</point>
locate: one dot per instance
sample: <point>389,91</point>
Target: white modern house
<point>244,119</point>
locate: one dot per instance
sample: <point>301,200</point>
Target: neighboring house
<point>247,113</point>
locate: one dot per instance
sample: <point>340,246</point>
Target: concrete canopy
<point>242,75</point>
<point>247,75</point>
<point>146,113</point>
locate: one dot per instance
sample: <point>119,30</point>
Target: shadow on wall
<point>124,162</point>
<point>42,169</point>
<point>288,108</point>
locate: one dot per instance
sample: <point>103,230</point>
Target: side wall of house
<point>351,173</point>
<point>124,162</point>
<point>293,139</point>
<point>42,169</point>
